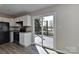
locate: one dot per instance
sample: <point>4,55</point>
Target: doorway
<point>44,31</point>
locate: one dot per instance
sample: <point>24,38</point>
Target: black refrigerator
<point>4,32</point>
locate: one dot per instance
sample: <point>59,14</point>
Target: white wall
<point>67,26</point>
<point>10,20</point>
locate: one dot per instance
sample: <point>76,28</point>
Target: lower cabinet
<point>25,38</point>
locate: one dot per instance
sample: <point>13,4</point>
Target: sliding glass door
<point>44,31</point>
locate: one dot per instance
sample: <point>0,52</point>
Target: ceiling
<point>17,9</point>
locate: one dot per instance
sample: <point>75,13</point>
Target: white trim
<point>42,30</point>
<point>55,30</point>
<point>33,30</point>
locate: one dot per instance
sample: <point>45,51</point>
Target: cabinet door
<point>11,21</point>
<point>21,37</point>
<point>24,20</point>
<point>17,20</point>
<point>1,19</point>
<point>28,38</point>
<point>27,20</point>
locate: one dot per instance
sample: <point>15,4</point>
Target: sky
<point>49,19</point>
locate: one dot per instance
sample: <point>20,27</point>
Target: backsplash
<point>17,28</point>
<point>29,29</point>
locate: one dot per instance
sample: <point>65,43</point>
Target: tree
<point>37,26</point>
<point>51,25</point>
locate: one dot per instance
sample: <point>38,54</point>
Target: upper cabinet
<point>17,20</point>
<point>26,20</point>
<point>10,20</point>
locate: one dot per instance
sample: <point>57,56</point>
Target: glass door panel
<point>38,30</point>
<point>48,31</point>
<point>44,31</point>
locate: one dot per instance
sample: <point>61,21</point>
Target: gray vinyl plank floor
<point>13,48</point>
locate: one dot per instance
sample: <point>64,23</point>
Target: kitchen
<point>20,29</point>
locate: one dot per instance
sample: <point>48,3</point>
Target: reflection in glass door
<point>38,30</point>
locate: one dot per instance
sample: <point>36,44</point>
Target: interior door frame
<point>33,26</point>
